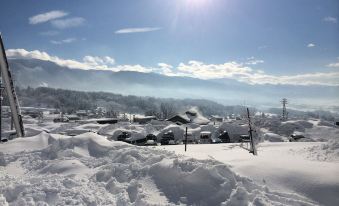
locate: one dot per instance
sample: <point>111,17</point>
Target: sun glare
<point>196,3</point>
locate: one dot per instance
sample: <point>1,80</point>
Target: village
<point>174,103</point>
<point>133,126</point>
<point>189,126</point>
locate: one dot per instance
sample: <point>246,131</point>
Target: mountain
<point>35,73</point>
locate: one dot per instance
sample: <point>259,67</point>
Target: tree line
<point>69,101</point>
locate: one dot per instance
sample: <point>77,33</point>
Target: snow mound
<point>91,126</point>
<point>328,151</point>
<point>90,170</point>
<point>322,133</point>
<point>37,142</point>
<point>178,131</point>
<point>115,129</point>
<point>287,128</point>
<point>272,137</point>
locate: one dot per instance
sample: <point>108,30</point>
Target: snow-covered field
<point>281,166</point>
<point>88,169</point>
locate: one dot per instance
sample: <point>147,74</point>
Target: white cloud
<point>64,41</point>
<point>213,71</point>
<point>165,69</point>
<point>97,61</point>
<point>36,54</point>
<point>88,63</point>
<point>319,78</point>
<point>262,47</point>
<point>48,16</point>
<point>68,23</point>
<point>238,71</point>
<point>336,65</point>
<point>310,45</point>
<point>136,30</point>
<point>330,19</point>
<point>228,70</point>
<point>254,61</point>
<point>49,33</point>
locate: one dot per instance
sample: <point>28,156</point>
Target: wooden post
<point>252,149</point>
<point>186,140</point>
<point>0,110</point>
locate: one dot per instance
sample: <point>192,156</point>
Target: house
<point>179,119</point>
<point>190,116</point>
<point>216,118</point>
<point>82,113</point>
<point>107,121</point>
<point>205,137</point>
<point>143,120</point>
<point>73,117</point>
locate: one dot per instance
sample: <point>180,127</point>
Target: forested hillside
<point>70,101</point>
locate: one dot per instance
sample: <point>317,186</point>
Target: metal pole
<point>186,140</point>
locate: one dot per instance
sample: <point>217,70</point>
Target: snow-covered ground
<point>278,165</point>
<point>89,169</point>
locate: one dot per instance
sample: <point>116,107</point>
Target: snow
<point>328,151</point>
<point>196,117</point>
<point>90,170</point>
<point>277,166</point>
<point>25,144</point>
<point>272,137</point>
<point>48,167</point>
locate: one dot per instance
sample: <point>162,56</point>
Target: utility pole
<point>186,140</point>
<point>1,98</point>
<point>10,91</point>
<point>253,150</point>
<point>284,112</point>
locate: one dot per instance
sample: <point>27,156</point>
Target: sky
<point>257,42</point>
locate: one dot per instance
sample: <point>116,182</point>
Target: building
<point>144,120</point>
<point>216,118</point>
<point>179,119</point>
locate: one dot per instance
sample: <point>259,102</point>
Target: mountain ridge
<point>35,73</point>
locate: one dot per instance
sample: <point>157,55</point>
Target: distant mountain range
<point>35,73</point>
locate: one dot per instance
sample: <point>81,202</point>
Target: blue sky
<point>252,41</point>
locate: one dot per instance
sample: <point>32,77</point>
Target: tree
<point>167,110</point>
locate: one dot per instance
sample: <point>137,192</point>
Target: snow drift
<point>90,170</point>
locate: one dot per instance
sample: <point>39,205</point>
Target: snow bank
<point>328,151</point>
<point>322,133</point>
<point>272,137</point>
<point>287,128</point>
<point>110,130</point>
<point>91,126</point>
<point>90,170</point>
<point>25,144</point>
<point>177,130</point>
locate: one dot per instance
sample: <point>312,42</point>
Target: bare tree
<point>167,110</point>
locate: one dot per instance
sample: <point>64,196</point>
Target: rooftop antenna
<point>10,90</point>
<point>284,112</point>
